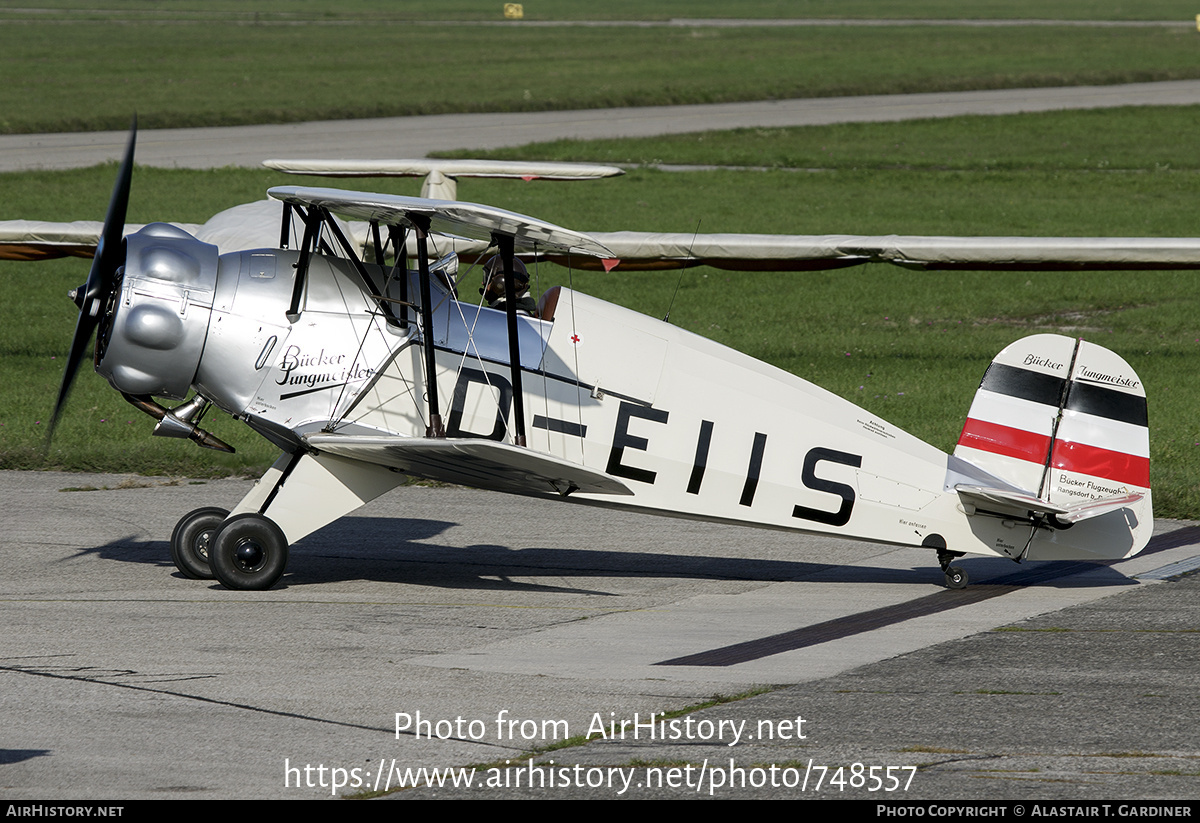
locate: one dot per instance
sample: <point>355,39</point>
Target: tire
<point>956,578</point>
<point>249,553</point>
<point>191,540</point>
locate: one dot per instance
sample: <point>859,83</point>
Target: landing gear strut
<point>956,576</point>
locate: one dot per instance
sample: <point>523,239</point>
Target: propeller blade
<point>93,296</point>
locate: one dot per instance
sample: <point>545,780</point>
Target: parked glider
<point>364,373</point>
<point>256,225</point>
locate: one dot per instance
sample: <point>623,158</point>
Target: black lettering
<point>622,440</point>
<point>701,461</point>
<point>842,516</point>
<point>754,469</point>
<point>491,381</point>
<point>553,424</point>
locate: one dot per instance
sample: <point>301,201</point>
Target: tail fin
<point>1065,421</point>
<point>1010,429</point>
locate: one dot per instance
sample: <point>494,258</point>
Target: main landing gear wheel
<point>248,552</point>
<point>191,540</point>
<point>956,576</point>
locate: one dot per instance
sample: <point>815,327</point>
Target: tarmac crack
<point>198,698</point>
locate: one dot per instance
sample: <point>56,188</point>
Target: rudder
<point>1065,421</point>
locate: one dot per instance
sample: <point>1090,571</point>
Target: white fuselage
<point>693,428</point>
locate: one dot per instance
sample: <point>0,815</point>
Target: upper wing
<point>449,217</point>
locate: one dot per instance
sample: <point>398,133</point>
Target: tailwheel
<point>956,576</point>
<point>249,552</point>
<point>191,540</point>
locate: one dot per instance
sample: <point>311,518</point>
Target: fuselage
<point>692,428</point>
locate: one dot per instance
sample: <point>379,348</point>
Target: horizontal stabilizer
<point>483,464</point>
<point>1095,508</point>
<point>1012,502</point>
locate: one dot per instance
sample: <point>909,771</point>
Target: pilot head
<point>493,279</point>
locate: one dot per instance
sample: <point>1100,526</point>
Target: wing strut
<point>506,244</point>
<point>376,242</point>
<point>421,225</point>
<point>285,228</point>
<point>312,225</point>
<point>396,236</point>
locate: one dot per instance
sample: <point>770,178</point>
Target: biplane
<point>366,369</point>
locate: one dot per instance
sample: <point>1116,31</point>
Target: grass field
<point>908,346</point>
<point>66,73</point>
<point>284,11</point>
<point>1137,138</point>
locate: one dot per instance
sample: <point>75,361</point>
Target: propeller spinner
<point>102,280</point>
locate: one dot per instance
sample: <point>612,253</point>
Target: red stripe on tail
<point>1116,466</point>
<point>1005,440</point>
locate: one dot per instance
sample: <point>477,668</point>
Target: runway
<point>122,679</point>
<point>411,137</point>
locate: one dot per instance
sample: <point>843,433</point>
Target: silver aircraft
<point>364,372</point>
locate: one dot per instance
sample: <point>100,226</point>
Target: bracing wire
<point>682,269</point>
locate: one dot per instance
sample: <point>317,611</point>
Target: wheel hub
<point>202,542</point>
<point>249,555</point>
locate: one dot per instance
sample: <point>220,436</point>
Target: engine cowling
<point>152,331</point>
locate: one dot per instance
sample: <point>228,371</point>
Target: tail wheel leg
<point>956,576</point>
